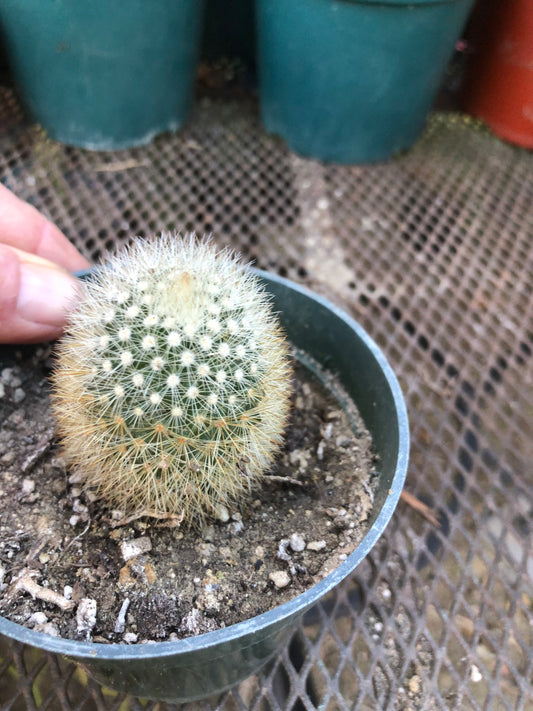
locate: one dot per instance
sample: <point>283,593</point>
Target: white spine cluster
<point>172,385</point>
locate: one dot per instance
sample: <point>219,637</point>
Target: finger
<point>22,226</point>
<point>34,298</point>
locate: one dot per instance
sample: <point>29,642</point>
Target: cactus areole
<point>172,384</point>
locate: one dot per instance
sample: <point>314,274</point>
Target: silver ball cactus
<point>172,385</point>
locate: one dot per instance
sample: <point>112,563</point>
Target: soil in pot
<point>71,568</point>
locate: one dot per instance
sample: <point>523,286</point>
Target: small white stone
<point>18,395</point>
<point>222,514</point>
<point>7,376</point>
<point>280,578</point>
<point>134,547</point>
<point>86,616</point>
<point>28,486</point>
<point>67,592</point>
<point>297,542</point>
<point>78,507</point>
<point>38,618</point>
<point>130,638</point>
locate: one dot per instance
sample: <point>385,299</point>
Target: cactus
<point>172,384</point>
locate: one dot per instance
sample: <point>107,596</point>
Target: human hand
<point>36,288</point>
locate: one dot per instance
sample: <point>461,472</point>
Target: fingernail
<point>46,295</point>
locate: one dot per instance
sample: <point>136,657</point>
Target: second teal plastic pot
<point>352,81</point>
<point>100,74</point>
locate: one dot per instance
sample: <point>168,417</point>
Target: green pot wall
<point>205,665</point>
<point>102,74</point>
<point>353,81</point>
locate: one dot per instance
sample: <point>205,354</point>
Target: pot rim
<point>113,651</point>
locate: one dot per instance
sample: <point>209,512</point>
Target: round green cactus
<point>172,385</point>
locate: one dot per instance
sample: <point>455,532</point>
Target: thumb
<point>35,297</point>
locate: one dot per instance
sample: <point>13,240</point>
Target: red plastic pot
<point>499,80</point>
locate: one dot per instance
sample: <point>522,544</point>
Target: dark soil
<point>69,568</point>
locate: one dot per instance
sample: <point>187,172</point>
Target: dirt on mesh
<point>68,568</point>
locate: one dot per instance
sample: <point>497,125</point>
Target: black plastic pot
<point>201,666</point>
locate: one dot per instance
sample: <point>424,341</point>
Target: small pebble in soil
<point>134,547</point>
<point>297,542</point>
<point>38,618</point>
<point>280,578</point>
<point>316,546</point>
<point>28,486</point>
<point>86,617</point>
<point>18,395</point>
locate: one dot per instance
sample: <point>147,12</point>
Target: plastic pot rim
<point>399,3</point>
<point>79,651</point>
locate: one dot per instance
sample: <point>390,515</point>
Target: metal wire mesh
<point>433,254</point>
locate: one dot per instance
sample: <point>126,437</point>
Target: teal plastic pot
<point>100,74</point>
<point>352,81</point>
<point>205,665</point>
